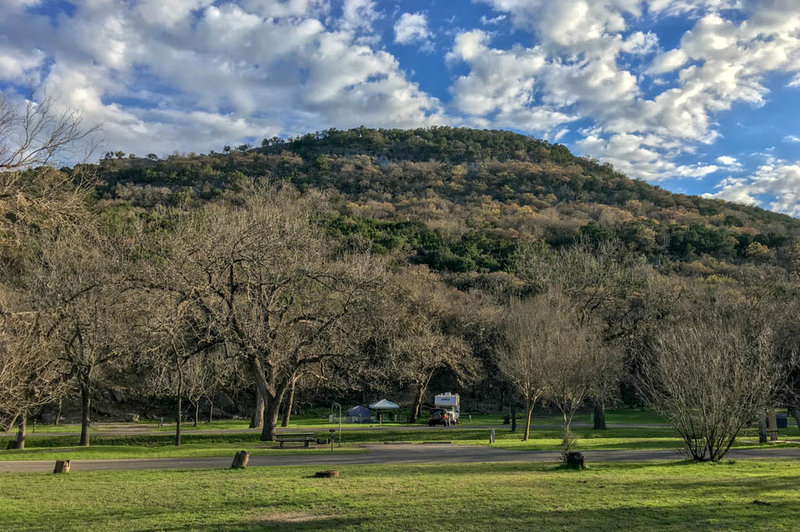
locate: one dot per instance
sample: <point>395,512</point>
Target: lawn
<point>743,495</point>
<point>105,446</point>
<point>230,437</point>
<point>620,416</point>
<point>156,446</point>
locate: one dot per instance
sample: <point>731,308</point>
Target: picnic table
<point>305,437</point>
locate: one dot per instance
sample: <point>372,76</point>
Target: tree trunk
<point>287,412</point>
<point>178,420</point>
<point>257,419</point>
<point>23,427</point>
<point>513,412</point>
<point>796,412</point>
<point>599,416</point>
<point>272,408</point>
<point>417,404</point>
<point>85,404</point>
<point>211,410</point>
<point>179,409</point>
<point>196,412</point>
<point>528,414</point>
<point>58,414</point>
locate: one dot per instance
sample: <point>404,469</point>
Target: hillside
<point>463,200</point>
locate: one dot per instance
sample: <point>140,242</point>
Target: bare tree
<point>418,331</point>
<point>710,375</point>
<point>35,202</point>
<point>550,353</point>
<point>38,133</point>
<point>36,199</point>
<point>605,286</point>
<point>30,374</point>
<point>270,285</point>
<point>73,285</point>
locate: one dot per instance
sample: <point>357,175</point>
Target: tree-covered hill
<point>462,200</point>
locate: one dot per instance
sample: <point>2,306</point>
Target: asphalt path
<point>389,454</point>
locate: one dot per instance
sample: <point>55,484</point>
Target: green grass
<point>154,446</point>
<point>618,416</point>
<point>42,447</point>
<point>619,496</point>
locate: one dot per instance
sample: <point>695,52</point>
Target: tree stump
<point>240,460</point>
<point>333,473</point>
<point>575,460</point>
<point>62,466</point>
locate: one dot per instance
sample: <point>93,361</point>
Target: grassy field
<point>319,422</point>
<point>676,496</point>
<point>625,436</point>
<point>41,447</point>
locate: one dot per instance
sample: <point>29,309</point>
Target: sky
<point>696,96</point>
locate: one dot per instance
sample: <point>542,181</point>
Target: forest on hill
<point>353,264</point>
<point>464,200</point>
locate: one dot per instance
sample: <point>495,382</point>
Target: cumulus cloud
<point>501,83</point>
<point>775,185</point>
<point>729,163</point>
<point>359,14</point>
<point>723,59</point>
<point>198,73</point>
<point>194,74</point>
<point>411,28</point>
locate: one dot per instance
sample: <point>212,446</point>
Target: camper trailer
<point>447,409</point>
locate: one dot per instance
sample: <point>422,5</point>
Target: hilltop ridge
<point>464,199</point>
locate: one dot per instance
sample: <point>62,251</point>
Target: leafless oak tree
<point>550,353</point>
<point>269,285</point>
<point>421,326</point>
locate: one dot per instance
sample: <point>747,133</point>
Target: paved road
<point>389,454</point>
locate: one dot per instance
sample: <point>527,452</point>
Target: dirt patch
<point>290,517</point>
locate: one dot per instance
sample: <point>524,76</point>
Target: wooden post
<point>240,460</point>
<point>62,466</point>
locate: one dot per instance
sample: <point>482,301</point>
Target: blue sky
<point>698,96</point>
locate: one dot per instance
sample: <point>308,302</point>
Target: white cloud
<point>731,164</point>
<point>668,61</point>
<point>359,15</point>
<point>791,138</point>
<point>723,59</point>
<point>502,83</point>
<point>411,28</point>
<point>559,134</point>
<point>290,66</point>
<point>15,63</point>
<point>487,21</point>
<point>639,156</point>
<point>776,184</point>
<point>200,73</point>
